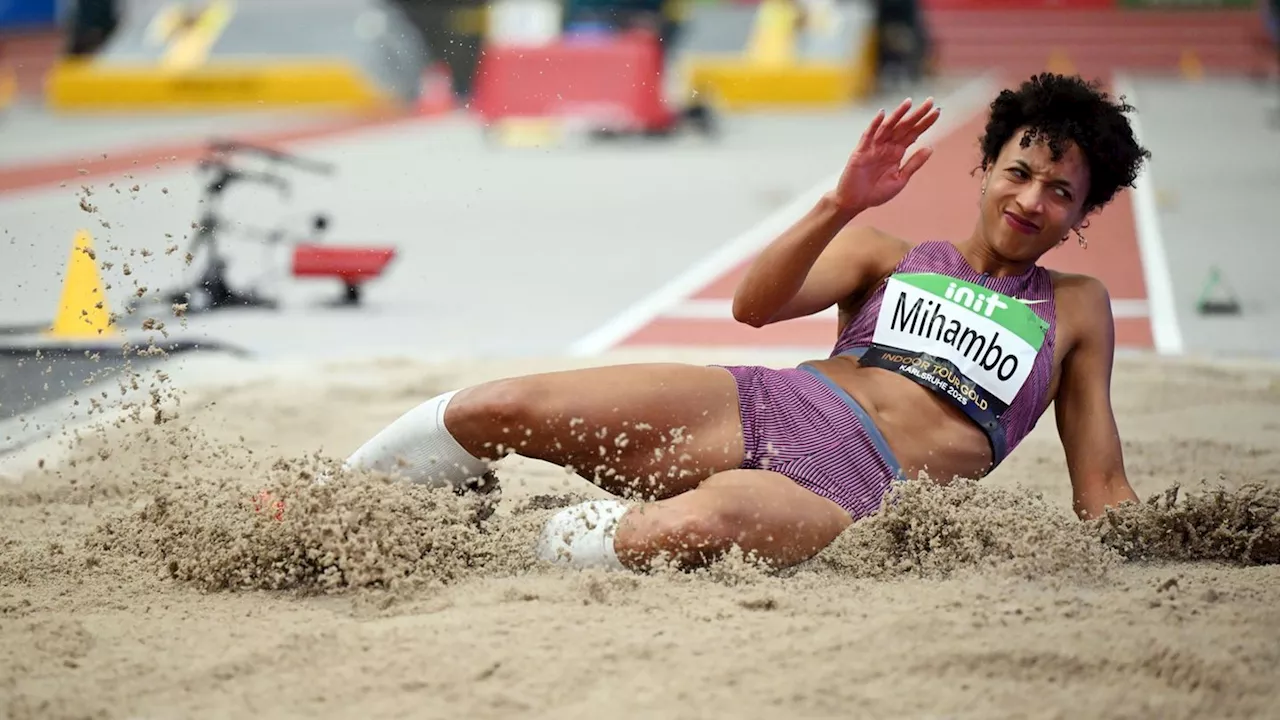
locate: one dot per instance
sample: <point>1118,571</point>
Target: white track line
<point>965,99</point>
<point>1155,264</point>
<point>722,309</point>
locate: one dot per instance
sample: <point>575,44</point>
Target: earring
<point>1080,236</point>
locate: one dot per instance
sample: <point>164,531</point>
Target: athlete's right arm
<point>819,261</point>
<point>823,259</point>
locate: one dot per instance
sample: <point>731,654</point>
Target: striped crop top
<point>985,343</point>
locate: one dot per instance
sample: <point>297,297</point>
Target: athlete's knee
<point>687,533</point>
<point>512,407</point>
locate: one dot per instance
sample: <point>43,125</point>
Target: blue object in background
<point>587,30</point>
<point>28,14</point>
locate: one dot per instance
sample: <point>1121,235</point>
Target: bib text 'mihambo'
<point>991,340</point>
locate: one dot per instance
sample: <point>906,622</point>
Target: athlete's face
<point>1031,203</point>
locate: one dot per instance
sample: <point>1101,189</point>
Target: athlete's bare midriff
<point>924,431</point>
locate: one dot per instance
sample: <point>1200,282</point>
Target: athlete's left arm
<point>1086,421</point>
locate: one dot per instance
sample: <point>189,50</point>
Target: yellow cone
<point>82,310</point>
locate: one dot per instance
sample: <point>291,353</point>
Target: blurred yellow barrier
<point>772,69</point>
<point>736,85</point>
<point>198,55</point>
<point>77,85</point>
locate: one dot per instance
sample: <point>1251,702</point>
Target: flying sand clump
<point>1239,526</point>
<point>353,531</point>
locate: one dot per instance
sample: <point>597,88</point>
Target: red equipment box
<point>613,80</point>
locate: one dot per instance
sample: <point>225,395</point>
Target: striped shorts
<point>798,423</point>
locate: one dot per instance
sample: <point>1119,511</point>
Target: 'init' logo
<point>974,301</point>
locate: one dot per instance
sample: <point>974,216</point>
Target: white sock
<point>581,536</point>
<point>418,447</point>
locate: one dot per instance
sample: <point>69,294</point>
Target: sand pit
<point>138,580</point>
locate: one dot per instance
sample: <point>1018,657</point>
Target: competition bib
<point>959,339</point>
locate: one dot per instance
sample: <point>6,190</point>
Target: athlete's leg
<point>643,430</point>
<point>815,463</point>
<point>764,513</point>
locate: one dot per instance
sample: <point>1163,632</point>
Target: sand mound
<point>184,562</point>
<point>935,531</point>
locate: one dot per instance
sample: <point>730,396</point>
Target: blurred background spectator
<point>89,24</point>
<point>902,41</point>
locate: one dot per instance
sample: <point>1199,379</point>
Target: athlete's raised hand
<point>875,171</point>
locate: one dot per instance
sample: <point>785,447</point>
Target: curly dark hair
<point>1060,110</point>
